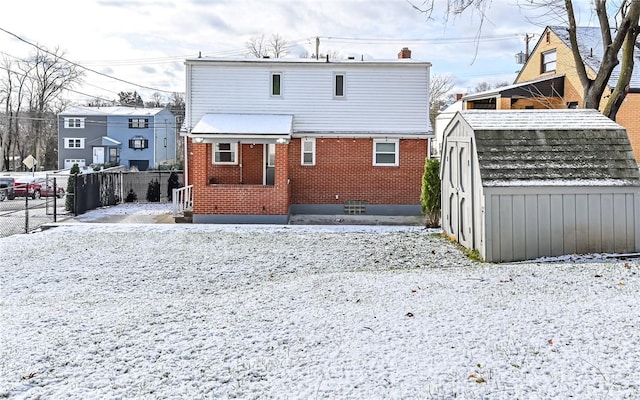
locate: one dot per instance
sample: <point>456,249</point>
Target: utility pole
<point>527,38</point>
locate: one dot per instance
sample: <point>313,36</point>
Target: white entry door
<point>98,155</point>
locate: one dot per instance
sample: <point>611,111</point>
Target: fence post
<point>75,195</point>
<point>26,208</point>
<point>55,198</point>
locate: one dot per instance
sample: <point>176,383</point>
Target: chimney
<point>404,53</point>
<point>458,96</point>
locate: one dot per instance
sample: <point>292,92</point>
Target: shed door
<point>460,192</point>
<point>464,195</point>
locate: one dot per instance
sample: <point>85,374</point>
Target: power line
<point>81,66</point>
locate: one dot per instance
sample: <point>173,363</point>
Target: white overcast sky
<point>145,42</point>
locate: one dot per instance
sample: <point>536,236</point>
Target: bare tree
<point>260,47</point>
<point>157,100</point>
<point>257,47</point>
<point>51,75</point>
<point>619,31</point>
<point>439,89</point>
<point>13,89</point>
<point>482,87</point>
<point>278,46</point>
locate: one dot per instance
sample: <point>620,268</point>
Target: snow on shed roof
<point>561,119</point>
<point>552,147</point>
<point>592,51</point>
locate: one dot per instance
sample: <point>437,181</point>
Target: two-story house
<point>267,138</point>
<point>549,80</point>
<point>134,137</point>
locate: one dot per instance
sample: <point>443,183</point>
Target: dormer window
<point>548,61</point>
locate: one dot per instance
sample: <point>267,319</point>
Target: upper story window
<point>138,143</point>
<point>276,84</point>
<point>138,123</point>
<point>74,143</point>
<point>548,61</point>
<point>339,85</point>
<point>225,153</point>
<point>308,156</point>
<point>385,152</point>
<point>74,123</point>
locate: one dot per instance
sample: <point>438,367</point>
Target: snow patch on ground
<point>375,312</point>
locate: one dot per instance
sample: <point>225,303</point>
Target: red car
<point>36,188</point>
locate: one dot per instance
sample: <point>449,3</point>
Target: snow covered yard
<point>305,312</point>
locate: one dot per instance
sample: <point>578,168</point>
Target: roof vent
<point>266,57</point>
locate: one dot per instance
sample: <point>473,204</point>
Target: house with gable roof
<point>134,137</point>
<point>548,80</point>
<point>268,138</point>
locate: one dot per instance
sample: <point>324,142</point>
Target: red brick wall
<point>228,196</point>
<point>344,167</point>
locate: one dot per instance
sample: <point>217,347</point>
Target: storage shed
<point>524,184</point>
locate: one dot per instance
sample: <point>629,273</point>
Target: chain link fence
<point>77,194</point>
<point>31,209</point>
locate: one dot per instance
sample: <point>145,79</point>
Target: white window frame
<point>74,123</point>
<point>548,61</point>
<point>280,86</point>
<point>312,151</point>
<point>233,150</point>
<point>139,123</point>
<point>335,85</point>
<point>80,161</point>
<point>73,143</point>
<point>396,152</point>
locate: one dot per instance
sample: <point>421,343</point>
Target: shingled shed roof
<point>551,148</point>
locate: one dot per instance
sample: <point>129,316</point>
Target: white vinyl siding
<point>74,143</point>
<point>225,153</point>
<point>385,152</point>
<point>380,98</point>
<point>308,147</point>
<point>74,123</point>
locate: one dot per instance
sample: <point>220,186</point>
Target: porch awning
<point>105,141</point>
<point>240,126</point>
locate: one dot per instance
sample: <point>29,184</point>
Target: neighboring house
<point>266,138</point>
<point>134,137</point>
<point>549,79</point>
<point>441,122</point>
<point>519,185</point>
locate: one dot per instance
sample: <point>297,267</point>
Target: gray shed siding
<point>537,222</point>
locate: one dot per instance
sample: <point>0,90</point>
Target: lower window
<point>385,152</point>
<point>225,153</point>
